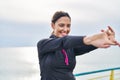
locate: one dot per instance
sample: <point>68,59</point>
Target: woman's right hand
<point>111,35</point>
<point>102,40</point>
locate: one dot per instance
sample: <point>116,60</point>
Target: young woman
<point>57,54</point>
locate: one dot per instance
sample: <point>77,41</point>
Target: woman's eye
<point>68,25</point>
<point>61,25</point>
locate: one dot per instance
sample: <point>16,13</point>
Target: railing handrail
<point>97,71</point>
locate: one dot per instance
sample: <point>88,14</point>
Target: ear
<point>53,26</point>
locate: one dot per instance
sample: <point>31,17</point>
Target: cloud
<point>39,10</point>
<point>24,22</point>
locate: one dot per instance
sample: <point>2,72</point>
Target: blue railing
<point>98,71</point>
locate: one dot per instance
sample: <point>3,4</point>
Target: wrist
<point>87,40</point>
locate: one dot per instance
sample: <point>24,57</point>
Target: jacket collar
<point>53,36</point>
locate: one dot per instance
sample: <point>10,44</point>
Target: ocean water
<point>21,63</point>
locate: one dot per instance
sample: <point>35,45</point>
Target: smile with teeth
<point>63,33</point>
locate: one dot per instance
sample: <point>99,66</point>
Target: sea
<point>21,63</point>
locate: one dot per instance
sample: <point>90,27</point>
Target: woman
<point>57,54</point>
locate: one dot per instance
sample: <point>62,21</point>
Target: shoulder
<point>40,42</point>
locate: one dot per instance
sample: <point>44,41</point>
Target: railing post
<point>112,75</point>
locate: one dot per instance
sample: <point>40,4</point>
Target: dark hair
<point>58,15</point>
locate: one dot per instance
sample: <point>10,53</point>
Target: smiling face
<point>61,27</point>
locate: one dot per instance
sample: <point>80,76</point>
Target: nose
<point>66,28</point>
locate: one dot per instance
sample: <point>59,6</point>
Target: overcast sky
<point>25,22</point>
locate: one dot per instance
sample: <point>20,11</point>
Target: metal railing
<point>111,75</point>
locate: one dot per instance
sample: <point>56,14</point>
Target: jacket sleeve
<point>83,49</point>
<point>53,44</point>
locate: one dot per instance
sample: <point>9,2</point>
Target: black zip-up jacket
<point>51,59</point>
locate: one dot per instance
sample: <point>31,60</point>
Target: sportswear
<point>52,60</point>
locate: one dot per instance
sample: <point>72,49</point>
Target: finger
<point>108,32</point>
<point>114,43</point>
<point>117,43</point>
<point>102,30</point>
<point>111,29</point>
<point>110,42</point>
<point>105,46</point>
<point>112,39</point>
